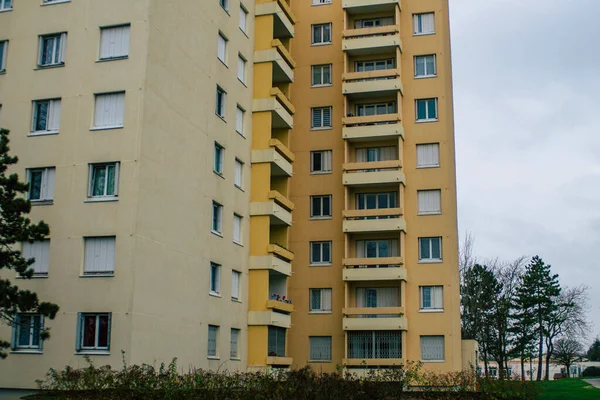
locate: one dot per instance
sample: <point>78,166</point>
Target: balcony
<point>271,263</point>
<point>371,41</point>
<point>269,318</point>
<point>280,361</point>
<point>369,6</point>
<point>278,215</point>
<point>373,273</point>
<point>283,63</point>
<point>280,107</point>
<point>372,173</point>
<point>371,84</point>
<point>371,362</point>
<point>280,252</point>
<point>374,127</point>
<point>356,221</point>
<point>374,319</point>
<point>280,306</point>
<point>284,18</point>
<point>278,156</point>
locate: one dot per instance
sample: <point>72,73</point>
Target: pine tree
<point>15,228</point>
<point>538,293</point>
<point>522,330</point>
<point>593,353</point>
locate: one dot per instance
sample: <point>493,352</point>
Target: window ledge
<point>426,121</point>
<point>241,134</point>
<point>429,213</point>
<point>430,261</point>
<point>106,128</point>
<point>321,172</point>
<point>26,351</point>
<point>236,300</point>
<point>217,234</point>
<point>321,44</point>
<point>324,128</point>
<point>101,60</point>
<point>5,10</point>
<point>215,294</point>
<point>55,2</point>
<point>213,358</point>
<point>239,187</point>
<point>235,359</point>
<point>321,4</point>
<point>42,133</point>
<point>219,174</point>
<point>320,265</point>
<point>424,34</point>
<point>245,33</point>
<point>242,82</point>
<point>50,66</point>
<point>319,312</point>
<point>35,203</point>
<point>425,76</point>
<point>223,62</point>
<point>2,71</point>
<point>428,166</point>
<point>35,276</point>
<point>98,275</point>
<point>431,310</point>
<point>321,218</point>
<point>101,199</point>
<point>221,117</point>
<point>92,353</point>
<point>238,243</point>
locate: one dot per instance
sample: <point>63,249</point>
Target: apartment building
<point>131,121</point>
<point>241,184</point>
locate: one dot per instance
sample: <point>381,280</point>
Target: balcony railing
<point>280,252</point>
<point>378,272</point>
<point>383,82</point>
<point>371,120</point>
<point>379,262</point>
<point>375,345</point>
<point>371,40</point>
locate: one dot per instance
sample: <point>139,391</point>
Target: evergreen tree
<point>15,228</point>
<point>522,330</point>
<point>593,353</point>
<point>538,293</point>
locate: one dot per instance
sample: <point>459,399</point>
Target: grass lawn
<point>567,389</point>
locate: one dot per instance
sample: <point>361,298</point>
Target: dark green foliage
<point>591,371</point>
<point>593,353</point>
<point>147,382</point>
<point>14,229</point>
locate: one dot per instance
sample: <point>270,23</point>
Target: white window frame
<point>427,118</point>
<point>119,98</point>
<point>19,326</point>
<point>326,162</point>
<point>428,74</point>
<point>238,219</point>
<point>322,68</point>
<point>430,260</point>
<point>243,22</point>
<point>234,353</point>
<point>52,117</point>
<point>436,300</point>
<point>324,353</point>
<point>59,49</point>
<point>433,149</point>
<point>213,330</point>
<point>240,118</point>
<point>47,184</point>
<point>418,24</point>
<point>321,37</point>
<point>237,285</point>
<point>40,266</point>
<point>105,30</point>
<point>222,100</point>
<point>321,2</point>
<point>106,196</point>
<point>81,332</point>
<point>110,270</point>
<point>241,72</point>
<point>219,217</point>
<point>215,275</point>
<point>219,159</point>
<point>424,196</point>
<point>428,359</point>
<point>239,174</point>
<point>322,125</point>
<point>3,54</point>
<point>320,243</point>
<point>361,66</point>
<point>3,4</point>
<point>222,42</point>
<point>322,199</point>
<point>325,296</point>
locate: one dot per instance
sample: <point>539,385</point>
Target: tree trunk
<point>548,355</point>
<point>568,366</point>
<point>540,351</point>
<point>522,368</point>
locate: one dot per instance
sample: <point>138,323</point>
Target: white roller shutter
<point>99,255</point>
<point>428,155</point>
<point>430,201</point>
<point>114,42</point>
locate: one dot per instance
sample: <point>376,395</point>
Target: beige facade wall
<point>159,295</point>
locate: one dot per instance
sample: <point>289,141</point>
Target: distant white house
<point>514,368</point>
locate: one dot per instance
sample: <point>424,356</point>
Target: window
<point>321,75</point>
<point>374,65</point>
<point>430,202</point>
<point>40,251</point>
<point>215,278</point>
<point>377,297</point>
<point>221,102</point>
<point>423,24</point>
<point>425,66</point>
<point>237,229</point>
<point>3,52</point>
<point>320,348</point>
<point>374,201</point>
<point>432,298</point>
<point>114,42</point>
<point>104,180</point>
<point>321,118</point>
<point>320,162</point>
<point>5,5</point>
<point>320,2</point>
<point>41,184</point>
<point>239,120</point>
<point>430,249</point>
<point>243,18</point>
<point>55,1</point>
<point>276,342</point>
<point>217,218</point>
<point>236,278</point>
<point>374,22</point>
<point>99,256</point>
<point>233,344</point>
<point>320,206</point>
<point>320,300</point>
<point>321,34</point>
<point>374,344</point>
<point>93,331</point>
<point>239,174</point>
<point>222,48</point>
<point>213,334</point>
<point>241,73</point>
<point>363,110</point>
<point>427,110</point>
<point>224,4</point>
<point>52,49</point>
<point>46,116</point>
<point>27,332</point>
<point>320,253</point>
<point>428,155</point>
<point>109,111</point>
<point>219,157</point>
<point>432,348</point>
<point>375,154</point>
<point>377,248</point>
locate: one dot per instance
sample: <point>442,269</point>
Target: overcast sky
<point>526,92</point>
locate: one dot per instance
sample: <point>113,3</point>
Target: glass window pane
<point>327,33</point>
<point>103,331</point>
<point>315,253</point>
<point>41,116</point>
<point>326,206</point>
<point>420,66</point>
<point>326,75</point>
<point>431,109</point>
<point>430,65</point>
<point>326,252</point>
<point>317,75</point>
<point>435,248</point>
<point>383,200</point>
<point>110,184</point>
<point>384,248</point>
<point>316,207</point>
<point>24,330</point>
<point>424,244</point>
<point>361,201</point>
<point>315,299</point>
<point>89,331</point>
<point>36,328</point>
<point>371,201</point>
<point>98,179</point>
<point>426,297</point>
<point>371,249</point>
<point>35,189</point>
<point>421,109</point>
<point>317,161</point>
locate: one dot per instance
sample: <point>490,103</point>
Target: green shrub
<point>591,371</point>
